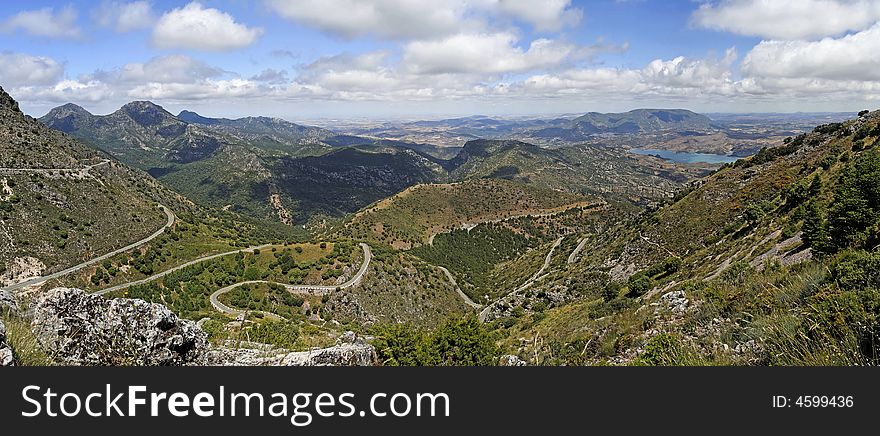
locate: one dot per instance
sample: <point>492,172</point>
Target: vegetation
<point>458,342</point>
<point>186,291</point>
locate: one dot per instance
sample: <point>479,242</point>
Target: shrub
<point>639,284</point>
<point>661,350</point>
<point>458,342</point>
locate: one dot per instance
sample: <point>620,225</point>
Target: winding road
<point>572,258</point>
<point>535,277</point>
<point>467,300</point>
<point>40,280</point>
<point>178,268</point>
<point>295,289</point>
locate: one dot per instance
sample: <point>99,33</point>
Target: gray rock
<point>6,356</point>
<point>337,355</point>
<point>511,360</point>
<point>84,329</point>
<point>350,350</point>
<point>8,302</point>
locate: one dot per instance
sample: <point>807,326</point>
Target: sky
<point>386,59</point>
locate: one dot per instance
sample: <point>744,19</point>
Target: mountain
<point>635,122</point>
<point>265,131</point>
<point>581,169</point>
<point>267,167</point>
<point>141,134</point>
<point>770,260</point>
<point>62,202</point>
<point>259,166</point>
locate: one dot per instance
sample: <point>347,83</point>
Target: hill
<point>62,202</point>
<point>414,216</point>
<point>766,261</point>
<point>257,166</point>
<point>579,169</point>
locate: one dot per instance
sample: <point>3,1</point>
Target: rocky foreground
<point>77,328</point>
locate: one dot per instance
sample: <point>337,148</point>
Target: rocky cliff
<point>77,328</point>
<point>85,329</point>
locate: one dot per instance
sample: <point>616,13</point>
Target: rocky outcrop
<point>350,350</point>
<point>6,356</point>
<point>8,302</point>
<point>511,360</point>
<point>84,329</point>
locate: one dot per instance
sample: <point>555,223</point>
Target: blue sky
<point>305,59</point>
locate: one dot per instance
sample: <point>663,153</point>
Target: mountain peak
<point>7,102</point>
<point>67,109</point>
<point>145,113</point>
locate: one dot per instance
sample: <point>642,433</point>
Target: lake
<point>686,157</point>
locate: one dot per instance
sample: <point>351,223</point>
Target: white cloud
<point>483,53</point>
<point>545,15</point>
<point>202,90</point>
<point>163,69</point>
<point>125,17</point>
<point>45,22</point>
<point>422,19</point>
<point>199,28</point>
<point>788,19</point>
<point>65,91</point>
<point>395,19</point>
<point>852,57</point>
<point>18,69</point>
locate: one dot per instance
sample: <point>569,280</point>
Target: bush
<point>661,350</point>
<point>639,284</point>
<point>856,207</point>
<point>459,342</point>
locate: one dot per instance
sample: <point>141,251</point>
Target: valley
<point>561,242</point>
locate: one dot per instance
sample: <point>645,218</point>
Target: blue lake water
<point>686,157</point>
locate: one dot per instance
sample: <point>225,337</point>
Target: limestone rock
<point>511,360</point>
<point>6,356</point>
<point>349,350</point>
<point>8,302</point>
<point>84,329</point>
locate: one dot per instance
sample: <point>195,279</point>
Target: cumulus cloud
<point>19,69</point>
<point>545,15</point>
<point>395,19</point>
<point>271,76</point>
<point>45,22</point>
<point>788,19</point>
<point>196,27</point>
<point>483,53</point>
<point>852,57</point>
<point>422,19</point>
<point>163,69</point>
<point>675,77</point>
<point>125,17</point>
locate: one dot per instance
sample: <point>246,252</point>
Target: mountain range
<point>268,167</point>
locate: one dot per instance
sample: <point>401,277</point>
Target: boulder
<point>8,302</point>
<point>348,351</point>
<point>84,329</point>
<point>6,356</point>
<point>511,360</point>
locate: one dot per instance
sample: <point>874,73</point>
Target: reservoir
<point>686,157</point>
